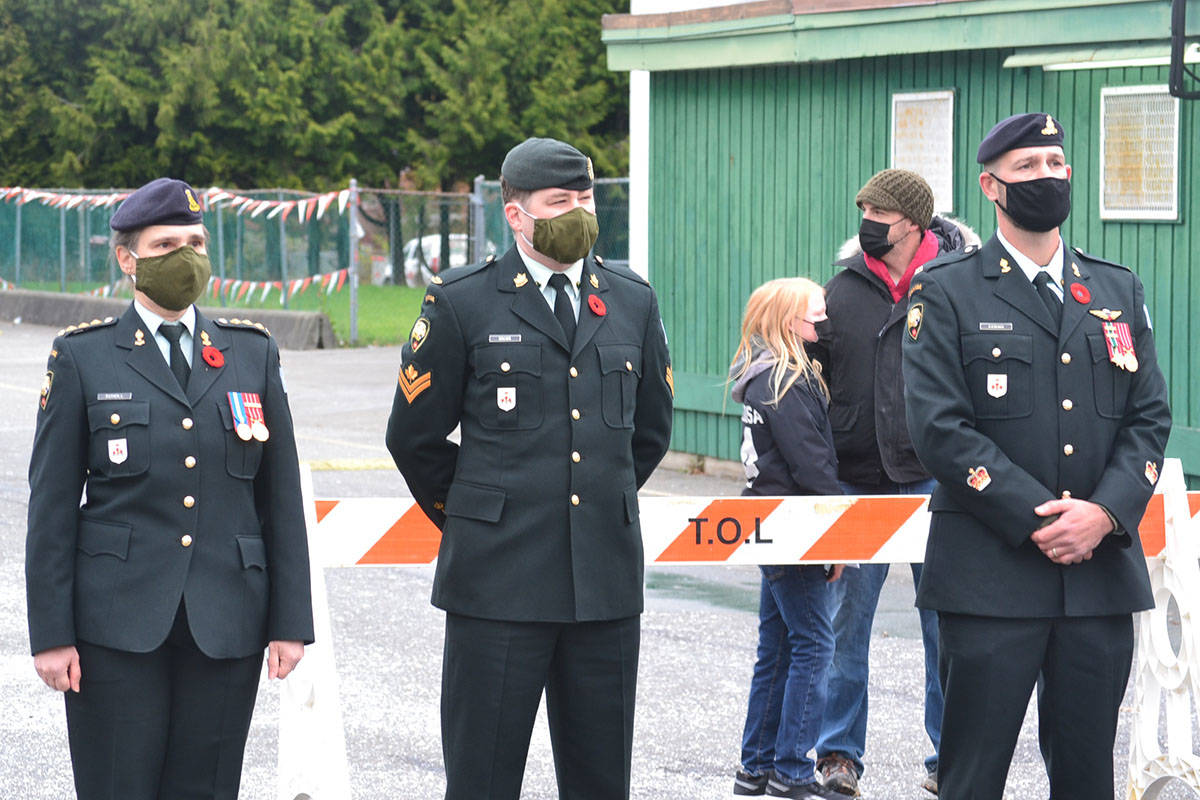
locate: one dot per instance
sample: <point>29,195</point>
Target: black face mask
<point>1039,205</point>
<point>873,236</point>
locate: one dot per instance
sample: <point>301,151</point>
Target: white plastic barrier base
<point>748,530</point>
<point>312,739</point>
<point>1161,673</point>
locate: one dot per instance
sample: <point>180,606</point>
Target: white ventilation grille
<point>1139,153</point>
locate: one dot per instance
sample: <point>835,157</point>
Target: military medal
<point>978,479</point>
<point>1120,345</point>
<point>254,413</point>
<point>241,424</point>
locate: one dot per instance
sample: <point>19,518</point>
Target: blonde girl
<point>787,449</point>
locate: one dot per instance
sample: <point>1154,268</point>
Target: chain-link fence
<point>58,240</point>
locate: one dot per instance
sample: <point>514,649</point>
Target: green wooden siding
<point>754,172</point>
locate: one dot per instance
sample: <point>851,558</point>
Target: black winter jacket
<point>786,449</point>
<point>859,349</point>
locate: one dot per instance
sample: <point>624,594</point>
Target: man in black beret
<point>1034,397</point>
<point>151,605</point>
<point>555,366</point>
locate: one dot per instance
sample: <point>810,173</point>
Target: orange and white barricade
<point>746,531</point>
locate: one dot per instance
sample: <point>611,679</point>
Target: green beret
<point>162,201</point>
<point>1020,130</point>
<point>547,163</point>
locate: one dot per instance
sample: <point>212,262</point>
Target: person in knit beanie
<point>859,349</point>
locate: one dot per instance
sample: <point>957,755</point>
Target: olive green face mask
<point>173,280</point>
<point>565,238</point>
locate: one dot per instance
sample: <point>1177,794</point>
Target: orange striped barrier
<point>693,530</point>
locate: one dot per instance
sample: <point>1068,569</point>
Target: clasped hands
<point>1078,530</point>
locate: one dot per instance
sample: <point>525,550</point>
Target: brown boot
<point>838,774</point>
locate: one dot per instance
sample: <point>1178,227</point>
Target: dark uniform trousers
<point>188,556</point>
<point>179,719</point>
<point>540,564</point>
<point>1009,410</point>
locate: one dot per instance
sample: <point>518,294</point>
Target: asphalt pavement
<point>698,632</point>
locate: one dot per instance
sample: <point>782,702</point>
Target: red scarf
<point>925,253</point>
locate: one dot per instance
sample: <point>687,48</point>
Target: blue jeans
<point>787,695</point>
<point>855,596</point>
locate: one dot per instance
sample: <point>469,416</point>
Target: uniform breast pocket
<point>120,438</point>
<point>241,457</point>
<point>510,378</point>
<point>620,372</point>
<point>1110,383</point>
<point>999,373</point>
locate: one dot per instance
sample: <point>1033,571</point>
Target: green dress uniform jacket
<point>176,507</point>
<point>538,506</point>
<point>1008,413</point>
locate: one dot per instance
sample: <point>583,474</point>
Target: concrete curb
<point>293,330</point>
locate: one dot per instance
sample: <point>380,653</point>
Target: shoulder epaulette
<point>624,272</point>
<point>458,273</point>
<point>243,324</point>
<point>87,326</point>
<point>953,257</point>
<point>1099,260</point>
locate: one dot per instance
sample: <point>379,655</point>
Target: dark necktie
<point>179,365</point>
<point>1053,304</point>
<point>562,306</point>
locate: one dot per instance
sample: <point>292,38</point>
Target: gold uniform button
<point>186,423</point>
<point>189,501</point>
<point>1067,404</point>
<point>575,413</point>
<point>505,366</point>
<point>628,367</point>
<point>114,419</point>
<point>995,352</point>
<point>1065,358</point>
<point>574,499</point>
<point>574,372</point>
<point>186,541</point>
<point>189,462</point>
<point>575,456</point>
<point>1066,495</point>
<point>1068,449</point>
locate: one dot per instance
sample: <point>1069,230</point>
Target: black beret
<point>547,163</point>
<point>162,201</point>
<point>1020,130</point>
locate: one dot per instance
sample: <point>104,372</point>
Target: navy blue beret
<point>162,201</point>
<point>547,163</point>
<point>1020,130</point>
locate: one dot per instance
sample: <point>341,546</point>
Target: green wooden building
<point>765,119</point>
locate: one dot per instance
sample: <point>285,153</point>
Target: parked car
<point>421,264</point>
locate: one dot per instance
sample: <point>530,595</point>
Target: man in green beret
<point>555,365</point>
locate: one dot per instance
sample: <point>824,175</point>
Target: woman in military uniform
<point>152,600</point>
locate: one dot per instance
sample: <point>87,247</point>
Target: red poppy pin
<point>1081,293</point>
<point>597,305</point>
<point>212,356</point>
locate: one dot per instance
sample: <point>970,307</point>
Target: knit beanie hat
<point>899,190</point>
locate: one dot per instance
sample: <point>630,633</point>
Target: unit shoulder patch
<point>236,323</point>
<point>87,325</point>
<point>1098,260</point>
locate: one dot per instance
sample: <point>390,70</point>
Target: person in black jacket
<point>859,347</point>
<point>152,601</point>
<point>787,449</point>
